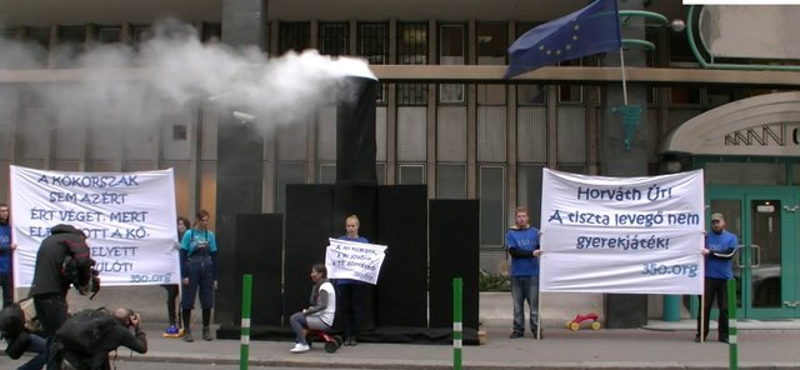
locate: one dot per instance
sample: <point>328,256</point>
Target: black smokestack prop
<point>355,132</point>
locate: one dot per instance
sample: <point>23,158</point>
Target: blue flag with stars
<point>591,30</point>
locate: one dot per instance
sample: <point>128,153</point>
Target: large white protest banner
<point>352,260</point>
<point>640,235</point>
<point>130,219</point>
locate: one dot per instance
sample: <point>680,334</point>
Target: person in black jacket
<point>63,260</point>
<point>116,335</point>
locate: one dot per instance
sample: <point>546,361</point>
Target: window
<point>327,173</point>
<point>529,94</point>
<point>70,43</point>
<point>373,44</point>
<point>142,34</point>
<point>685,96</point>
<point>570,93</point>
<point>294,36</point>
<point>529,190</point>
<point>412,174</point>
<point>492,45</point>
<point>492,206</point>
<point>108,34</point>
<point>451,52</point>
<point>412,49</point>
<point>451,181</point>
<point>334,38</point>
<point>179,132</point>
<point>492,42</point>
<point>212,32</point>
<point>39,35</point>
<point>380,170</point>
<point>10,33</point>
<point>287,173</point>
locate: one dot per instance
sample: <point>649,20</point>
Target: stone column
<point>626,310</point>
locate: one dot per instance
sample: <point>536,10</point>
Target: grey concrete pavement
<point>560,349</point>
<point>659,345</point>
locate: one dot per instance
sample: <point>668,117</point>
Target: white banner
<point>640,235</point>
<point>352,260</point>
<point>130,220</point>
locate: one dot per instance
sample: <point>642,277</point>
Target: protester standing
<point>522,244</point>
<point>719,250</point>
<point>198,272</point>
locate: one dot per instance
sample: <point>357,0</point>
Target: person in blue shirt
<point>198,271</point>
<point>719,250</point>
<point>352,293</point>
<point>522,243</point>
<point>6,248</point>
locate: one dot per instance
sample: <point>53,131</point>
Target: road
<point>7,363</point>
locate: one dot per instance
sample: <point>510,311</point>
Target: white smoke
<point>174,72</point>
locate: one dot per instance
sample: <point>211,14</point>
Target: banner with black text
<point>353,260</point>
<point>640,235</point>
<point>129,218</point>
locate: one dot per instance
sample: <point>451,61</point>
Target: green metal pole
<point>247,288</point>
<point>733,330</point>
<point>457,326</point>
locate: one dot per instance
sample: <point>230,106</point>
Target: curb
<point>335,363</point>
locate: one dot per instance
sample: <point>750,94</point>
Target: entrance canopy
<point>766,125</point>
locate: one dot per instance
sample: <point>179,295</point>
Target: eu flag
<point>591,30</point>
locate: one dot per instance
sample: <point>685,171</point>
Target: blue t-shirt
<point>5,249</point>
<point>526,240</point>
<point>724,243</point>
<point>359,239</point>
<point>199,242</point>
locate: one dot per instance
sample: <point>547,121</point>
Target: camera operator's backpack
<point>84,331</point>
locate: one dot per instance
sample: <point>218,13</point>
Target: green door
<point>766,220</point>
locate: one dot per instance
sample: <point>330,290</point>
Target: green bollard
<point>733,330</point>
<point>672,308</point>
<point>457,323</point>
<point>247,288</point>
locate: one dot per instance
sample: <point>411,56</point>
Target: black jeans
<point>5,284</point>
<point>715,288</point>
<point>51,310</point>
<point>350,300</point>
<point>172,295</point>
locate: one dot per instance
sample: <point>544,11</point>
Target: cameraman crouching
<point>112,333</point>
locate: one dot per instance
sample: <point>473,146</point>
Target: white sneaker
<point>300,348</point>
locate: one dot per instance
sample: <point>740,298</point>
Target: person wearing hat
<point>719,250</point>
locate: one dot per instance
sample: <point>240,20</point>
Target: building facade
<point>445,116</point>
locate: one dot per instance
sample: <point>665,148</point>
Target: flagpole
<point>622,67</point>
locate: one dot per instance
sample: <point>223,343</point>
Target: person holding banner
<point>321,310</point>
<point>174,330</point>
<point>352,293</point>
<point>198,271</point>
<point>719,250</point>
<point>522,243</point>
<point>6,248</point>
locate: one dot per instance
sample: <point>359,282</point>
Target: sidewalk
<point>671,346</point>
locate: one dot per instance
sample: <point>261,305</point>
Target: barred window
<point>412,49</point>
<point>294,36</point>
<point>373,44</point>
<point>334,38</point>
<point>529,94</point>
<point>452,52</point>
